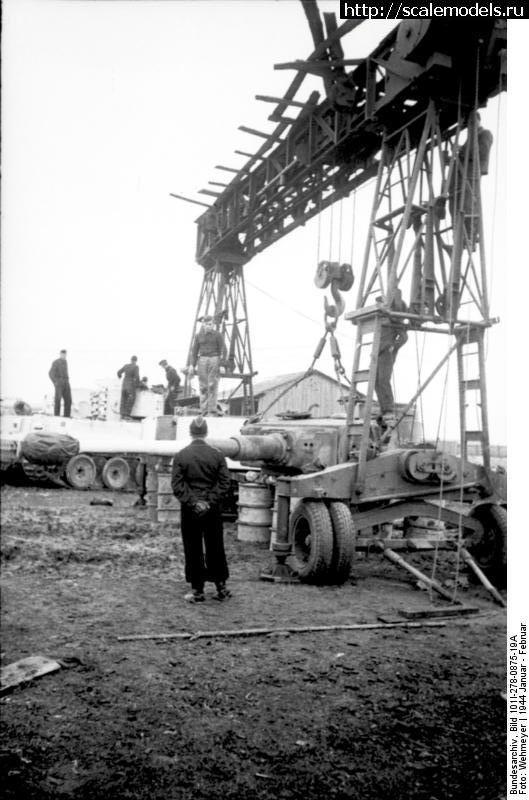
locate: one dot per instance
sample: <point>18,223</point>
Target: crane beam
<point>331,148</point>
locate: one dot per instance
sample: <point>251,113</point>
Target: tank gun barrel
<point>271,448</point>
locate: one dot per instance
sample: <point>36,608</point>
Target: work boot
<point>389,421</point>
<point>196,596</point>
<point>222,592</point>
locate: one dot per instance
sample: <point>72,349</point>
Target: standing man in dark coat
<point>392,336</point>
<point>207,356</point>
<point>131,381</point>
<point>200,479</point>
<point>173,387</point>
<point>59,377</point>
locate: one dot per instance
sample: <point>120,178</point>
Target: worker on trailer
<point>392,336</point>
<point>131,381</point>
<point>59,377</point>
<point>207,355</point>
<point>173,387</point>
<point>465,178</point>
<point>200,479</point>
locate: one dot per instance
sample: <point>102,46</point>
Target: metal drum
<point>168,507</point>
<point>255,512</point>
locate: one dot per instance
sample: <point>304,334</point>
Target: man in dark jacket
<point>393,335</point>
<point>200,479</point>
<point>207,354</point>
<point>59,377</point>
<point>173,387</point>
<point>131,381</point>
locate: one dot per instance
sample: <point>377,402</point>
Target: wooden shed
<point>317,390</point>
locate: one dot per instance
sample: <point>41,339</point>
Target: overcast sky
<point>108,107</point>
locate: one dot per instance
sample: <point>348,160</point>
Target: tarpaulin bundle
<point>48,448</point>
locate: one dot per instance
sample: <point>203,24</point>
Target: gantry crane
<point>407,117</point>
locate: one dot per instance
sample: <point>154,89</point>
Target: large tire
<point>312,539</point>
<point>490,551</point>
<point>81,471</point>
<point>344,539</point>
<point>116,473</point>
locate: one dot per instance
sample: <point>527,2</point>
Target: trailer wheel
<point>312,539</point>
<point>344,537</point>
<point>116,473</point>
<point>81,471</point>
<point>490,551</point>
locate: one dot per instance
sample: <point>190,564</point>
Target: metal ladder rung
<point>473,436</point>
<point>361,376</point>
<point>473,383</point>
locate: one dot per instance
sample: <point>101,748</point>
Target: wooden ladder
<point>367,345</point>
<point>471,376</point>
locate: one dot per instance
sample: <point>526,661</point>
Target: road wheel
<point>312,539</point>
<point>490,551</point>
<point>116,473</point>
<point>344,538</point>
<point>81,471</point>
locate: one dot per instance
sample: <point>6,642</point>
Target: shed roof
<point>262,387</point>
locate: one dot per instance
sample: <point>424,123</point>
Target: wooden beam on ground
<point>25,670</point>
<point>467,558</point>
<point>360,626</point>
<point>426,613</point>
<point>189,200</point>
<point>431,582</point>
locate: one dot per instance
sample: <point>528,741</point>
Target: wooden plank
<point>432,583</point>
<point>319,66</point>
<point>483,578</point>
<point>248,155</point>
<point>189,200</point>
<point>361,626</point>
<point>426,613</point>
<point>296,103</point>
<point>254,132</point>
<point>27,669</point>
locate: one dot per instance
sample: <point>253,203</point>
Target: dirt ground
<point>401,714</point>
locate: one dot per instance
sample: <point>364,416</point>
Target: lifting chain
<point>340,278</point>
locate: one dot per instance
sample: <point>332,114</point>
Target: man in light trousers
<point>207,356</point>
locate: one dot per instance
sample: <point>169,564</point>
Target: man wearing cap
<point>131,381</point>
<point>393,336</point>
<point>173,387</point>
<point>199,480</point>
<point>59,377</point>
<point>207,353</point>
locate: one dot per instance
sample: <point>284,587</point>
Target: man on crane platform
<point>392,337</point>
<point>200,479</point>
<point>207,356</point>
<point>471,163</point>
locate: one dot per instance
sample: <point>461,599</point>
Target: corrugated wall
<point>313,389</point>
